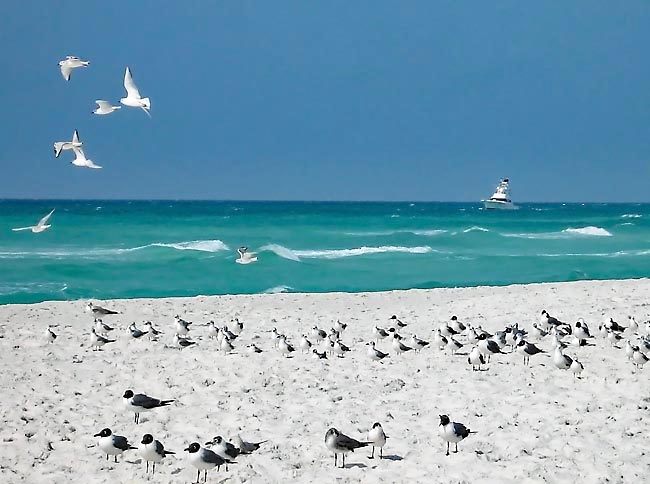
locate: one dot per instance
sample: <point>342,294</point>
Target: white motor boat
<point>500,200</point>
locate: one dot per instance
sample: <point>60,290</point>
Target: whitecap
<point>424,232</point>
<point>296,255</point>
<point>475,228</point>
<point>631,215</point>
<point>199,245</point>
<point>590,231</point>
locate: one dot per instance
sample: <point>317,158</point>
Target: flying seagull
<point>41,226</point>
<point>133,98</point>
<point>69,63</point>
<point>59,146</point>
<point>81,160</point>
<point>104,107</point>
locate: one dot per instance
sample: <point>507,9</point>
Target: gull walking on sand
<point>377,438</point>
<point>104,107</point>
<point>133,98</point>
<point>452,432</point>
<point>112,444</point>
<point>102,328</point>
<point>140,402</point>
<point>340,443</point>
<point>69,63</point>
<point>152,451</point>
<point>41,226</point>
<point>60,146</point>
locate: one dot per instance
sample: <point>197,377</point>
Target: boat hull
<point>499,205</point>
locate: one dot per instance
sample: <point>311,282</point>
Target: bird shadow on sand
<point>392,457</point>
<point>359,465</point>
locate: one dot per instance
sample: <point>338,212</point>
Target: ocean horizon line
<point>253,200</point>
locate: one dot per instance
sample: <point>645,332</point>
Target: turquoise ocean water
<point>122,249</point>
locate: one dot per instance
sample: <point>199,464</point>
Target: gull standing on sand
<point>41,226</point>
<point>398,346</point>
<point>253,348</point>
<point>305,344</point>
<point>245,257</point>
<point>487,347</point>
<point>153,332</point>
<point>97,341</point>
<point>377,438</point>
<point>374,353</point>
<point>318,356</point>
<point>182,326</point>
<point>152,451</point>
<point>223,449</point>
<point>528,350</point>
<point>560,360</point>
<point>417,344</point>
<point>341,444</point>
<point>452,432</point>
<point>98,309</point>
<point>102,328</point>
<point>135,332</point>
<point>576,368</point>
<point>69,63</point>
<point>203,460</point>
<point>396,323</point>
<point>639,358</point>
<point>104,107</point>
<point>60,146</point>
<point>380,333</point>
<point>49,334</point>
<point>246,447</point>
<point>181,343</point>
<point>318,334</point>
<point>140,402</point>
<point>112,444</point>
<point>475,359</point>
<point>133,98</point>
<point>285,348</point>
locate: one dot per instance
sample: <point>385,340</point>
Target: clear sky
<point>330,100</point>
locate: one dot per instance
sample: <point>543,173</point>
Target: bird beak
<point>97,435</point>
<point>208,443</point>
<point>187,450</point>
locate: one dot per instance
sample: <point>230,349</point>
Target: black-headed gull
<point>140,402</point>
<point>112,444</point>
<point>41,226</point>
<point>152,451</point>
<point>452,432</point>
<point>341,444</point>
<point>203,459</point>
<point>377,438</point>
<point>245,257</point>
<point>69,63</point>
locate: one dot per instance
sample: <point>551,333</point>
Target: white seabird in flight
<point>41,226</point>
<point>133,98</point>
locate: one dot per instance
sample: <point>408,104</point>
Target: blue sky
<point>331,100</point>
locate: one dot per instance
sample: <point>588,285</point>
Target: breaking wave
<point>297,255</point>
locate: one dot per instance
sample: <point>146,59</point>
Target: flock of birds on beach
<point>451,336</point>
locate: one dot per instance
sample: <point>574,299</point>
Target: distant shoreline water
<point>108,249</point>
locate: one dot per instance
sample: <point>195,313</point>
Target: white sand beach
<point>533,424</point>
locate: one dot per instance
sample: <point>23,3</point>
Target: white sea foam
<point>296,255</point>
<point>425,232</point>
<point>199,245</point>
<point>475,228</point>
<point>278,289</point>
<point>631,215</point>
<point>589,231</point>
